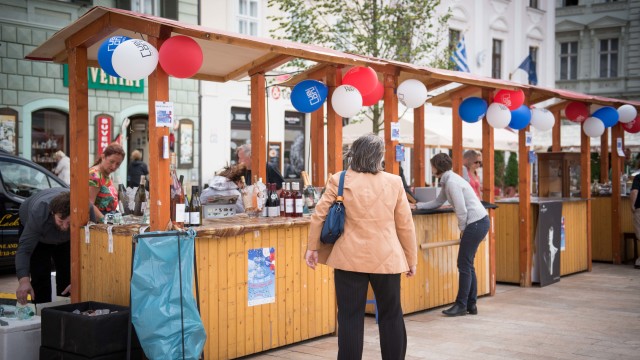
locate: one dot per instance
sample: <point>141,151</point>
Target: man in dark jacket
<point>136,169</point>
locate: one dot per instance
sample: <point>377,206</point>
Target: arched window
<point>49,133</point>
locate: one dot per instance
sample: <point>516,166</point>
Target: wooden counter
<point>573,259</point>
<point>601,245</point>
<point>304,305</point>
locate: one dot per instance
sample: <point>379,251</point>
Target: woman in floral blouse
<point>103,194</point>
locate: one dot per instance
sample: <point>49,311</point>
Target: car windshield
<point>23,180</point>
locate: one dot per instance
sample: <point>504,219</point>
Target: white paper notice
<point>164,114</point>
<point>619,146</point>
<point>528,136</point>
<point>395,131</point>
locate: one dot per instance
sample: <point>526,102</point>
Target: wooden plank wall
<point>305,305</point>
<point>573,259</point>
<point>601,244</point>
<point>436,281</point>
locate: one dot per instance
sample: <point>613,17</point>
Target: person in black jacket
<point>244,157</point>
<point>136,168</point>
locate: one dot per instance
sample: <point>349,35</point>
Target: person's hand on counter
<point>413,206</point>
<point>311,257</point>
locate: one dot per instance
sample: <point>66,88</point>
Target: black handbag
<point>333,226</point>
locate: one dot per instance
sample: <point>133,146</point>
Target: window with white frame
<point>248,17</point>
<point>496,59</point>
<point>151,7</point>
<point>569,60</point>
<point>608,58</point>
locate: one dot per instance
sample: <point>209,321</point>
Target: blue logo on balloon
<point>309,95</point>
<point>608,115</point>
<point>105,52</point>
<point>520,118</point>
<point>472,109</point>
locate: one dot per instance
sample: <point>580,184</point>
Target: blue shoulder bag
<point>333,226</point>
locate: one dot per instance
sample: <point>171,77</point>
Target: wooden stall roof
<point>229,56</point>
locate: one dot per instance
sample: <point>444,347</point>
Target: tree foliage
<point>402,30</point>
<point>511,176</point>
<point>498,168</point>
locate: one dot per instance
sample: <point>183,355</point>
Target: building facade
<point>34,104</point>
<point>598,47</point>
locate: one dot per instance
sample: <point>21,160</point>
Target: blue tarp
<point>163,309</point>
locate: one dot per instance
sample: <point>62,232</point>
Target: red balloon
<point>576,111</point>
<point>180,56</point>
<point>633,126</point>
<point>512,99</point>
<point>362,78</point>
<point>373,97</point>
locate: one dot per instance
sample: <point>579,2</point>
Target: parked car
<point>19,179</point>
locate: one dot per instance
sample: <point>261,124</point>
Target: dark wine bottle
<point>273,202</point>
<point>196,207</point>
<point>140,199</point>
<point>187,210</point>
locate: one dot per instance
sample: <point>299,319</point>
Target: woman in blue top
<point>473,222</point>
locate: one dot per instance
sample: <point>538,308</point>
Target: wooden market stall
<point>305,303</point>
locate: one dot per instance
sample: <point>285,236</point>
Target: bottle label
<point>299,206</point>
<point>273,211</point>
<point>195,218</point>
<point>179,213</point>
<point>143,206</point>
<point>289,206</point>
<point>282,201</point>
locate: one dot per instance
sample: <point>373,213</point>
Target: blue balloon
<point>608,115</point>
<point>309,95</point>
<point>472,109</point>
<point>106,51</point>
<point>520,118</point>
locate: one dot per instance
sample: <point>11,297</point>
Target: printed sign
<point>103,132</point>
<point>262,276</point>
<point>164,114</point>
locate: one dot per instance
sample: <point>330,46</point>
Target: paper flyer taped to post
<point>262,276</point>
<point>164,114</point>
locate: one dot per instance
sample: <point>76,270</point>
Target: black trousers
<point>351,293</point>
<point>41,270</point>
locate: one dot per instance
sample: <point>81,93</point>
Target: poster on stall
<point>395,131</point>
<point>261,276</point>
<point>164,114</point>
<point>546,257</point>
<point>619,147</point>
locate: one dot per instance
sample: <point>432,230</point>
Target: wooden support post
<point>258,126</point>
<point>159,194</point>
<point>585,185</point>
<point>488,185</point>
<point>616,215</point>
<point>604,157</point>
<point>79,155</point>
<point>390,116</point>
<point>334,124</point>
<point>556,132</point>
<point>419,160</point>
<point>456,136</point>
<point>524,208</point>
<point>317,147</point>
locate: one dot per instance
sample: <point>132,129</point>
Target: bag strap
<point>341,187</point>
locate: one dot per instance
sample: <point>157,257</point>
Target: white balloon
<point>627,113</point>
<point>593,127</point>
<point>498,115</point>
<point>134,59</point>
<point>412,93</point>
<point>542,119</point>
<point>346,101</point>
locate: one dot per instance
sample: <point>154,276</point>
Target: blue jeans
<point>473,234</point>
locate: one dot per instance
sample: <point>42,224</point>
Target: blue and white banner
<point>459,56</point>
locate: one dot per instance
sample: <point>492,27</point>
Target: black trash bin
<point>69,336</point>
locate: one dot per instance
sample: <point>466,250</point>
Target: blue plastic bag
<point>166,319</point>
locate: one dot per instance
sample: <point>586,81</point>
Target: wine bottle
<point>289,205</point>
<point>196,207</point>
<point>123,200</point>
<point>273,202</point>
<point>140,199</point>
<point>309,192</point>
<point>177,201</point>
<point>187,210</point>
<point>283,195</point>
<point>297,200</point>
<point>261,197</point>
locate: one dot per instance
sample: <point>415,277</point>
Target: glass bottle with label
<point>140,199</point>
<point>298,201</point>
<point>123,200</point>
<point>273,202</point>
<point>283,195</point>
<point>196,207</point>
<point>177,200</point>
<point>187,210</point>
<point>289,205</point>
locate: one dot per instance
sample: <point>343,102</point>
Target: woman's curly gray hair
<point>366,154</point>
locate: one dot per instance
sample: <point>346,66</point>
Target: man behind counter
<point>44,236</point>
<point>244,157</point>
